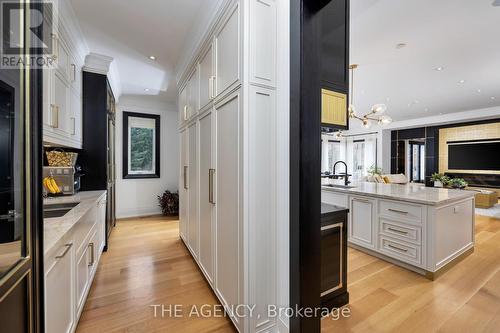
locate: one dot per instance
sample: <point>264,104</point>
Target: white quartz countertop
<point>55,228</point>
<point>410,193</point>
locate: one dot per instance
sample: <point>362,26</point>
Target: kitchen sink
<point>57,210</point>
<point>339,186</point>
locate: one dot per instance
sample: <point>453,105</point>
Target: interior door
<point>18,291</point>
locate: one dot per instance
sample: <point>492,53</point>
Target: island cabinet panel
<point>362,222</point>
<point>423,234</point>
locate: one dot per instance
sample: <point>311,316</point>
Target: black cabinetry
<point>333,256</point>
<point>98,154</point>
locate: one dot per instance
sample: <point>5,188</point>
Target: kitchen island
<point>423,229</point>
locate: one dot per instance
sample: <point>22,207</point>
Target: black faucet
<point>346,175</point>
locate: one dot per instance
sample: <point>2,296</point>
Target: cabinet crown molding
<point>97,63</point>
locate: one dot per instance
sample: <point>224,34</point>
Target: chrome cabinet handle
<point>211,173</point>
<point>92,256</point>
<point>55,46</point>
<point>54,115</point>
<point>397,248</point>
<point>185,112</point>
<point>68,247</point>
<point>74,126</point>
<point>211,87</point>
<point>185,177</point>
<point>398,231</point>
<point>73,66</point>
<point>397,211</point>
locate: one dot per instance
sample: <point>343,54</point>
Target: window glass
<point>142,145</point>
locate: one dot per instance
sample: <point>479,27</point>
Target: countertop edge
<point>389,197</point>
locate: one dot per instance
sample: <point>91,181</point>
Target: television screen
<point>474,156</point>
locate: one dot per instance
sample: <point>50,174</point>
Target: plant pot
<point>437,183</point>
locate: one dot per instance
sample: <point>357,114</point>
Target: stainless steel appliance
<point>67,178</point>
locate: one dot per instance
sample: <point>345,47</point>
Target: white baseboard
<point>137,212</point>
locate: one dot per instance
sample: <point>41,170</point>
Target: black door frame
<point>305,161</point>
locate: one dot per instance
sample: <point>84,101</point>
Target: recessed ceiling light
<point>152,57</point>
<point>461,81</point>
<point>479,90</point>
<point>146,90</point>
<point>400,45</point>
<point>492,97</point>
<point>439,69</point>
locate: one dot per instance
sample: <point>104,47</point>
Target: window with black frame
<point>141,145</point>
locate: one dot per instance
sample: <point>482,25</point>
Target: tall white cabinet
<point>227,179</point>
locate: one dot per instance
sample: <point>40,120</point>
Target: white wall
<point>138,197</point>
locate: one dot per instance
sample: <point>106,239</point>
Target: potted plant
<point>373,170</point>
<point>458,183</point>
<point>439,179</point>
<point>169,203</point>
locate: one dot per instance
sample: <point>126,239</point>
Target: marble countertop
<point>413,193</point>
<point>55,228</point>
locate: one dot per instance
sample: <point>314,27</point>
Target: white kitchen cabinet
<point>231,114</point>
<point>183,187</point>
<point>193,94</point>
<point>362,228</point>
<point>183,105</point>
<point>228,55</point>
<point>59,290</point>
<point>62,91</point>
<point>193,222</point>
<point>228,182</point>
<point>207,78</point>
<point>207,196</point>
<point>70,268</point>
<point>82,276</point>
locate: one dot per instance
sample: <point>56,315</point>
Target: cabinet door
<point>228,221</point>
<point>206,193</point>
<point>60,104</point>
<point>331,258</point>
<point>227,41</point>
<point>101,225</point>
<point>193,94</point>
<point>75,116</point>
<point>82,277</point>
<point>193,232</point>
<point>182,102</point>
<point>362,225</point>
<point>48,98</point>
<point>206,78</point>
<point>63,57</point>
<point>183,189</point>
<point>59,286</point>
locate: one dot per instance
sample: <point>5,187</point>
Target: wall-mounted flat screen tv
<point>474,156</point>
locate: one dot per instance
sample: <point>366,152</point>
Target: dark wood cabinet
<point>333,256</point>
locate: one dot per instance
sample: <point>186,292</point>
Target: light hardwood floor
<point>387,298</point>
<point>147,264</point>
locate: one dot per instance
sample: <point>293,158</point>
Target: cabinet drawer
<point>405,232</point>
<point>401,210</point>
<point>400,250</point>
<point>82,229</point>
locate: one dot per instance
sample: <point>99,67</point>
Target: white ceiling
<point>132,30</point>
<point>462,36</point>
